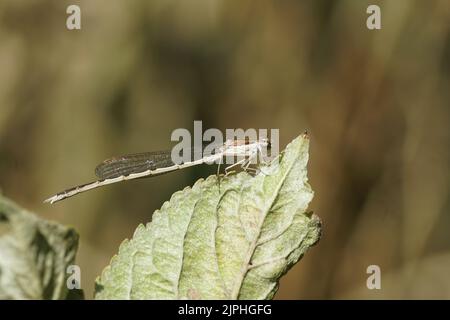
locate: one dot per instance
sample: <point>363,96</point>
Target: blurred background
<point>376,104</point>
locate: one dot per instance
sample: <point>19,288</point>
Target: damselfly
<point>149,164</point>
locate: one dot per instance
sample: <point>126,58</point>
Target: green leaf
<point>34,255</point>
<point>232,242</point>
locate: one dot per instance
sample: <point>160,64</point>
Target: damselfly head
<point>265,142</point>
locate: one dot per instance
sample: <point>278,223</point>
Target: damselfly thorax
<point>148,164</point>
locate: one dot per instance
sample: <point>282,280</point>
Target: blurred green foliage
<point>35,256</point>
